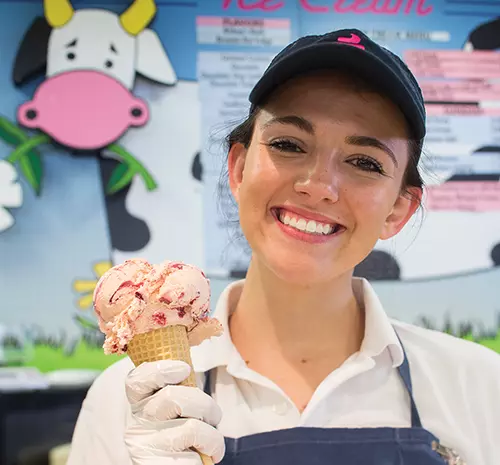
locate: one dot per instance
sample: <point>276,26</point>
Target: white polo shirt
<point>456,389</point>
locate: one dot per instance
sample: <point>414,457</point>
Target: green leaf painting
<point>120,178</point>
<point>30,162</point>
<point>32,169</point>
<point>124,173</point>
<point>10,133</point>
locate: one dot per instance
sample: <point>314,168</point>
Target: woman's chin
<point>298,269</point>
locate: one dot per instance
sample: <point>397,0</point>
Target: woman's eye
<point>367,164</point>
<point>286,146</point>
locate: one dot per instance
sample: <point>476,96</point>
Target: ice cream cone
<point>167,343</point>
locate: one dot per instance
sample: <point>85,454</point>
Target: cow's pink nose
<point>83,109</point>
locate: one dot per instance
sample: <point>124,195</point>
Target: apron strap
<point>207,387</point>
<point>404,372</point>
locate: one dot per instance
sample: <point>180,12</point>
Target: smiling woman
<point>342,138</point>
<point>310,366</point>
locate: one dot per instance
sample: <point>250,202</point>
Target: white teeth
<point>310,226</point>
<point>301,224</point>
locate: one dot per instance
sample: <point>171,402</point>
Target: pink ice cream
<point>137,297</point>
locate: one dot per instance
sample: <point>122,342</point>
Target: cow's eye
<point>108,64</point>
<point>70,56</point>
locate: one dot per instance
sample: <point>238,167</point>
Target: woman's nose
<point>320,183</point>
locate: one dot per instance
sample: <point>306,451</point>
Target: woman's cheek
<point>264,172</point>
<point>370,206</point>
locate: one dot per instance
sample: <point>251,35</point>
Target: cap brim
<point>330,55</point>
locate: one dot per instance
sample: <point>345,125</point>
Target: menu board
<point>451,48</point>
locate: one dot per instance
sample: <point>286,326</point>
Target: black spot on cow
<point>474,177</point>
<point>127,232</point>
<point>487,149</point>
<point>486,36</point>
<point>238,274</point>
<point>379,266</point>
<point>197,167</point>
<point>31,57</point>
<point>494,176</point>
<point>495,255</point>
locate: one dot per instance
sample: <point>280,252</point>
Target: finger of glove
<point>149,377</point>
<point>179,458</point>
<point>181,435</point>
<point>178,402</point>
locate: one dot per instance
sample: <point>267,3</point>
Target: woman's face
<point>321,180</point>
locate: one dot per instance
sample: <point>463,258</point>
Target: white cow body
<point>446,243</point>
<point>167,146</point>
<point>436,243</point>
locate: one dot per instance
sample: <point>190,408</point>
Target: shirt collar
<point>379,332</point>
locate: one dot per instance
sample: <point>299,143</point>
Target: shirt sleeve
<point>487,395</point>
<point>99,433</point>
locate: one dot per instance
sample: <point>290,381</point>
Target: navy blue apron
<point>339,446</point>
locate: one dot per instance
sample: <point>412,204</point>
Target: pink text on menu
<point>338,6</point>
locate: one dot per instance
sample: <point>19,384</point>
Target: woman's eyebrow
<point>366,141</point>
<point>307,126</point>
<point>294,120</point>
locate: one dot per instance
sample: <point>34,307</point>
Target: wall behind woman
<point>72,203</point>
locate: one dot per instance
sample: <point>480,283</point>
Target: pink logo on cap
<point>354,40</point>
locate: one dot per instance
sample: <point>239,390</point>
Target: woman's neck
<point>297,322</point>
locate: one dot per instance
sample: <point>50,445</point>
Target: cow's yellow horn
<point>138,16</point>
<point>58,12</point>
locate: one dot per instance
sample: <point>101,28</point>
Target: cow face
<point>91,58</point>
<point>104,47</point>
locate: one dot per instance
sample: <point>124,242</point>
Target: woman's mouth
<point>305,225</point>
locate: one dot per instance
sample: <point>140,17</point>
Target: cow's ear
<point>152,60</point>
<point>31,57</point>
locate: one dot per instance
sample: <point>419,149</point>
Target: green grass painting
<point>49,352</point>
<point>48,358</point>
<point>492,343</point>
<point>90,356</point>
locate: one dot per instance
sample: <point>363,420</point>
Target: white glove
<point>168,420</point>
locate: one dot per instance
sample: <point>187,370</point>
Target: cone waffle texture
<point>168,343</point>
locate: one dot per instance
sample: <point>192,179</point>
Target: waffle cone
<point>168,343</point>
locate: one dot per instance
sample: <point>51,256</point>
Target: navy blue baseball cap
<point>351,50</point>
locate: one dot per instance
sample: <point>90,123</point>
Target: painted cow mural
<point>455,246</point>
<point>92,60</point>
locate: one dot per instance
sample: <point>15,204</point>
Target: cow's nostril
<point>31,114</point>
<point>136,112</point>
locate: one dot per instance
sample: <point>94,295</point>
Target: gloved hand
<point>168,420</point>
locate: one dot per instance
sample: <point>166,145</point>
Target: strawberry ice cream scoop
<point>116,290</point>
<point>137,297</point>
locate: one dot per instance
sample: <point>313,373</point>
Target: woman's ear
<point>404,208</point>
<point>236,166</point>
